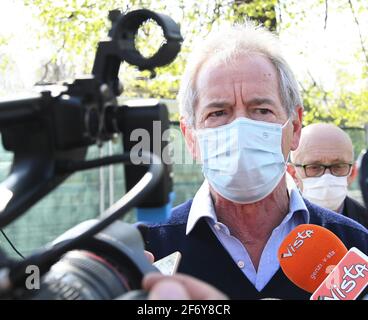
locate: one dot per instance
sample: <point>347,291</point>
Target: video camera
<point>49,134</point>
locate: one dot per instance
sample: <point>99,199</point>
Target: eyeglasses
<point>318,170</point>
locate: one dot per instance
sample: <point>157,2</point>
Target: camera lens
<point>82,275</point>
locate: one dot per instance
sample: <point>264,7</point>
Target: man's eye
<point>217,113</point>
<point>314,167</point>
<point>263,111</point>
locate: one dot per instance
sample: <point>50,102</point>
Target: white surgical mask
<point>242,160</point>
<point>327,191</point>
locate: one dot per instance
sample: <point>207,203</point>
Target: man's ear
<point>189,136</point>
<point>292,171</point>
<point>297,122</point>
<point>353,174</point>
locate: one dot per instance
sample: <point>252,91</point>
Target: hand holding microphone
<point>317,261</point>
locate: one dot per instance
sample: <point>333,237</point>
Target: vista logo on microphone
<point>347,280</point>
<point>306,252</point>
<point>299,241</point>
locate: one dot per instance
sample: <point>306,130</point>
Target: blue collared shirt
<point>202,206</point>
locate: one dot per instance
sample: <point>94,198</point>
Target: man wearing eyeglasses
<point>323,167</point>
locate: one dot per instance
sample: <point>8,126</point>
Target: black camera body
<point>49,134</point>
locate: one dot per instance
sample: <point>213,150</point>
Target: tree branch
<point>360,33</point>
<point>280,16</point>
<point>319,87</point>
<point>326,13</point>
<point>47,66</point>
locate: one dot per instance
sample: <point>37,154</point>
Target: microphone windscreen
<point>308,254</point>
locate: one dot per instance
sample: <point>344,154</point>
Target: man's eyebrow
<point>217,104</point>
<point>251,102</point>
<point>260,101</point>
<point>332,161</point>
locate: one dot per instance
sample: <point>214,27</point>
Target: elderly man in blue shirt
<point>241,115</point>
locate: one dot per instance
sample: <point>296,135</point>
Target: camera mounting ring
<point>125,29</point>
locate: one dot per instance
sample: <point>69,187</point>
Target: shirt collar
<point>297,208</point>
<point>202,205</point>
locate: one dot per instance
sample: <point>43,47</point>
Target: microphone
<point>347,280</point>
<point>317,261</point>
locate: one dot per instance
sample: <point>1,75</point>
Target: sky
<point>18,26</point>
<point>323,51</point>
<point>309,47</point>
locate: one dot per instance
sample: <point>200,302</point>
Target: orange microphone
<point>308,254</point>
<point>317,261</point>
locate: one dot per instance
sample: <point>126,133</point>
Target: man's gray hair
<point>227,44</point>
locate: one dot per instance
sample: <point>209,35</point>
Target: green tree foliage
<point>75,27</point>
<point>4,59</point>
<point>261,11</point>
<point>346,103</point>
